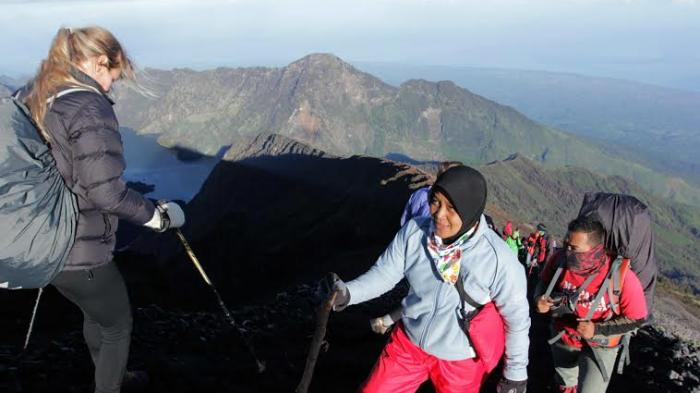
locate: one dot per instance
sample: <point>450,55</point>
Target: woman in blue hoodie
<point>434,254</point>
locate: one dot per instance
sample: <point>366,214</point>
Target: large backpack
<point>38,213</point>
<point>628,232</point>
<point>612,285</point>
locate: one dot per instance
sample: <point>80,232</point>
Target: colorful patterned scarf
<point>585,263</point>
<point>447,258</point>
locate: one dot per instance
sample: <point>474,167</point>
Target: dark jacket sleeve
<point>616,326</point>
<point>98,163</point>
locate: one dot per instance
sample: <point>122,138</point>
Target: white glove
<point>167,215</point>
<point>174,213</point>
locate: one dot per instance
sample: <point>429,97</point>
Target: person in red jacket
<point>537,250</point>
<point>588,339</point>
<point>542,244</point>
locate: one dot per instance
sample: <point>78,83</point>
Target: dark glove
<point>337,286</point>
<point>507,386</point>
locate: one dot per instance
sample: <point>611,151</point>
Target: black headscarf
<point>465,187</point>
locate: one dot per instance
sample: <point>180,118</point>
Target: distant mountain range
<point>8,84</point>
<point>5,90</point>
<point>327,103</point>
<point>661,124</point>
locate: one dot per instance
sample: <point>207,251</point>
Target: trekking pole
<point>316,342</point>
<point>31,322</point>
<point>229,317</point>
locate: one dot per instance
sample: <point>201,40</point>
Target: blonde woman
<point>69,103</point>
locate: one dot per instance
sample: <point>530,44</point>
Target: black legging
<point>101,295</point>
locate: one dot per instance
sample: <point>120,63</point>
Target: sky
<point>653,41</point>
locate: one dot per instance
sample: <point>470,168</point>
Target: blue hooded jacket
<point>490,272</point>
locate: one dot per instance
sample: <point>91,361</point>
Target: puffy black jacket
<point>88,150</point>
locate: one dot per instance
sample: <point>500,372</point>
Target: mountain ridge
<point>648,119</point>
<point>327,103</point>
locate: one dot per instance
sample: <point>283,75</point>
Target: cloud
<point>546,34</point>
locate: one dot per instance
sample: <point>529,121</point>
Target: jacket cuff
<point>352,291</point>
<point>515,375</point>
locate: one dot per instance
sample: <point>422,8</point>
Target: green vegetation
<point>658,123</point>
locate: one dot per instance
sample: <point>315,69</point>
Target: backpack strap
<point>624,359</point>
<point>601,365</point>
<point>466,318</point>
<point>555,277</point>
<point>606,287</point>
<point>603,288</point>
<point>572,300</point>
<point>65,92</point>
<point>465,297</point>
<point>615,289</point>
<point>556,338</point>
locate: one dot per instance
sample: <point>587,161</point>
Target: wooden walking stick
<point>317,340</point>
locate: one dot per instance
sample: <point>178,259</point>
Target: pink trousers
<point>402,367</point>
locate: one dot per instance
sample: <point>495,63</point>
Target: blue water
<point>150,163</point>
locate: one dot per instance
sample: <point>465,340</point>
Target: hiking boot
<point>135,381</point>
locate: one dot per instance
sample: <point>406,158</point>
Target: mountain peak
<point>272,145</point>
<point>329,68</point>
<point>320,60</point>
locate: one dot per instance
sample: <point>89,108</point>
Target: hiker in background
<point>507,230</point>
<point>68,101</point>
<point>594,302</point>
<point>512,238</point>
<point>523,252</point>
<point>466,303</point>
<point>543,246</point>
<point>418,205</point>
<point>536,250</point>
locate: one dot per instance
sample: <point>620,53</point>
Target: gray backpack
<point>628,231</point>
<point>38,213</point>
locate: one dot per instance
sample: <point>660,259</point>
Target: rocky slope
<point>197,349</point>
